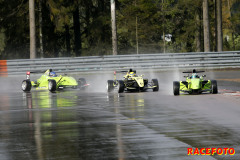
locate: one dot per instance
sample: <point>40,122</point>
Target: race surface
<point>95,125</point>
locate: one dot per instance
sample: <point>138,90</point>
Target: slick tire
<point>155,83</point>
<point>26,85</point>
<point>120,86</point>
<point>214,87</point>
<point>52,85</point>
<point>81,83</point>
<point>176,87</point>
<point>110,86</point>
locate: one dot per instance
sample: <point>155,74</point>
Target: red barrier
<point>3,68</point>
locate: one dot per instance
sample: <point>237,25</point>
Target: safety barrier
<point>3,68</point>
<point>160,61</point>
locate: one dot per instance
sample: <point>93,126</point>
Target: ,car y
<point>195,84</point>
<point>131,82</point>
<point>49,80</point>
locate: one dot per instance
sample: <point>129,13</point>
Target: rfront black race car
<point>131,82</point>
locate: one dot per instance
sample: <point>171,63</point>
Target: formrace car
<point>195,84</point>
<point>49,80</point>
<point>131,82</point>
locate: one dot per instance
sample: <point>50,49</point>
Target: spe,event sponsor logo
<point>211,151</point>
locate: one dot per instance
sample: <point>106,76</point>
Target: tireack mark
<point>230,80</point>
<point>230,92</point>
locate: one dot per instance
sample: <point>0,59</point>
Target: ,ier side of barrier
<point>157,61</point>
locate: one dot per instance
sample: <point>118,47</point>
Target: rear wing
<point>193,71</point>
<point>32,72</point>
<point>124,71</point>
<point>40,71</point>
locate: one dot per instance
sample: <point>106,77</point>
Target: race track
<point>96,125</point>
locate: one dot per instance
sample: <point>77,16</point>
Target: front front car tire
<point>155,83</point>
<point>110,85</point>
<point>26,85</point>
<point>214,87</point>
<point>176,87</point>
<point>121,86</point>
<point>81,83</point>
<point>52,85</point>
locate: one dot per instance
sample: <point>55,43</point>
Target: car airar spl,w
<point>52,82</point>
<point>131,82</point>
<point>195,84</point>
